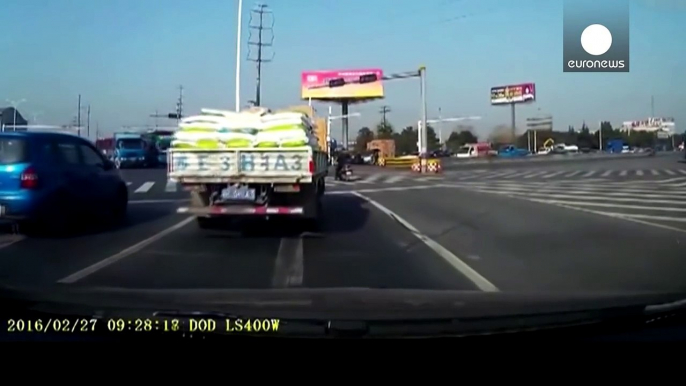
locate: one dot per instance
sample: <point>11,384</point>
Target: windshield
<point>479,184</point>
<point>130,144</point>
<point>164,143</point>
<point>12,150</point>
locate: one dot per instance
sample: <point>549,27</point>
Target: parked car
<point>52,181</point>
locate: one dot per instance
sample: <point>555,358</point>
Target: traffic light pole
<point>370,78</point>
<point>423,152</point>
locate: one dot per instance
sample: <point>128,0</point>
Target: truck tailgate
<point>241,165</point>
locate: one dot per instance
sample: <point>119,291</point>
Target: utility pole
<point>383,111</point>
<point>259,13</point>
<point>88,122</point>
<point>178,114</point>
<point>78,116</point>
<point>179,105</point>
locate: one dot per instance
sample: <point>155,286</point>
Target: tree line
<point>406,139</point>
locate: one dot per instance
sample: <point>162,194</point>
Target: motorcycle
<point>345,174</point>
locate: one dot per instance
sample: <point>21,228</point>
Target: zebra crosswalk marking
<point>660,205</point>
<point>171,187</point>
<point>145,187</point>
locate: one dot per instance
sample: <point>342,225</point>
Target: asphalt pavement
<point>395,229</point>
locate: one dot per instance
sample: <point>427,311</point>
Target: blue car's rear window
<point>13,150</point>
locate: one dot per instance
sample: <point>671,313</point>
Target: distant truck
<point>129,150</point>
<point>265,182</point>
<point>615,146</point>
<point>511,151</point>
<point>158,142</point>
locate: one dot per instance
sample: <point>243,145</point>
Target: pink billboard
<point>311,79</point>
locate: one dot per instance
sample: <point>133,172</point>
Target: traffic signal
<point>338,82</point>
<point>369,78</point>
<point>173,116</point>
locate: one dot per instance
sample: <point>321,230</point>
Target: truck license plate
<point>240,194</point>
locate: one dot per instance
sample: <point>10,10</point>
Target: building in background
<point>7,117</point>
<point>651,125</point>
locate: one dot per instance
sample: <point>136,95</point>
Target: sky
<point>127,58</point>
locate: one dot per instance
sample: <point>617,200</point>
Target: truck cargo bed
<point>246,165</point>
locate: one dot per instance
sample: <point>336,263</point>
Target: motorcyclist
<point>341,160</point>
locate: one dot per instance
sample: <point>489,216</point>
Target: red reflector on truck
<point>311,166</point>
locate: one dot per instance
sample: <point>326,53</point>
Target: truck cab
<point>129,150</point>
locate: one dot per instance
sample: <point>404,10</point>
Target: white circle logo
<point>596,39</point>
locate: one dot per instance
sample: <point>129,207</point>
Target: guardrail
<point>414,163</point>
<point>398,162</point>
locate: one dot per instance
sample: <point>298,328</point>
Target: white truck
<point>250,182</point>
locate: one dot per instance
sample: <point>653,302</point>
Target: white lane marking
<point>577,200</point>
<point>607,173</point>
<point>618,216</point>
<point>590,173</point>
<point>607,205</point>
<point>8,239</point>
<point>670,172</point>
<point>145,187</point>
<point>394,179</point>
<point>290,264</point>
<point>655,218</point>
<point>481,282</point>
<point>74,277</point>
<point>682,171</point>
<point>639,172</point>
<point>623,173</point>
<point>128,184</point>
<point>171,186</point>
<point>535,174</point>
<point>553,175</point>
<point>654,172</point>
<point>371,178</point>
<point>579,194</point>
<point>379,190</point>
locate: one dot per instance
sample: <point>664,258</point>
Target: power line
<point>259,12</point>
<point>383,111</point>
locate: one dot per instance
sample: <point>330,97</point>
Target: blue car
<point>49,180</point>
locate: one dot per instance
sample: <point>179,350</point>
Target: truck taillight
<point>29,179</point>
<point>311,165</point>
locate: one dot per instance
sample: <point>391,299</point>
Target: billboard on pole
<point>514,93</point>
<point>315,84</point>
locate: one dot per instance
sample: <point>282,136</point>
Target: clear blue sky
<point>126,57</point>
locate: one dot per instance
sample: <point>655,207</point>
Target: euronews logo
<point>596,36</point>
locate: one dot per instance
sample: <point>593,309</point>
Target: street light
<point>238,56</point>
<point>14,105</point>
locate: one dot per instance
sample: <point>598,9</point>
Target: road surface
<point>615,233</point>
